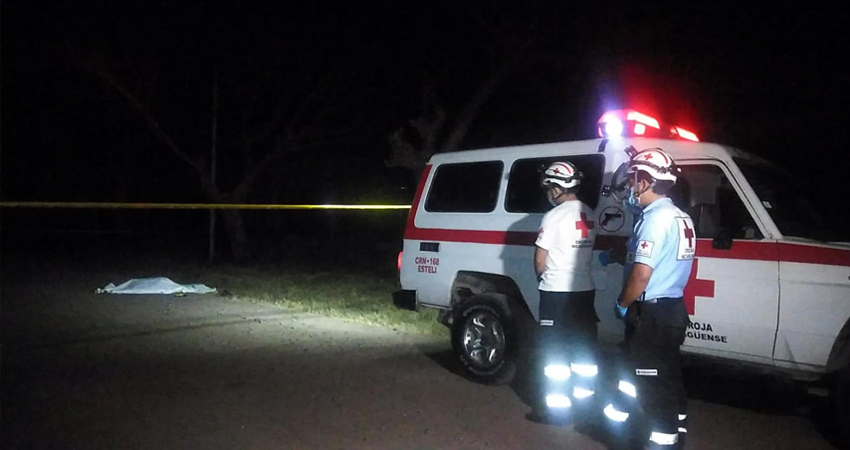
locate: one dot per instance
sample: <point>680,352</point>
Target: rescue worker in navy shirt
<point>651,395</point>
<point>568,320</point>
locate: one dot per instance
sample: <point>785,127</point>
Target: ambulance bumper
<point>405,299</point>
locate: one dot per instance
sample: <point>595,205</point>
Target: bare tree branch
<point>321,86</point>
<point>150,87</point>
<point>404,154</point>
<point>285,144</point>
<point>268,126</point>
<point>482,93</point>
<point>96,66</point>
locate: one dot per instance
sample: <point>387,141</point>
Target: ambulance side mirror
<point>723,240</point>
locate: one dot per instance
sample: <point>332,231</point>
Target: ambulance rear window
<point>465,187</point>
<point>525,194</point>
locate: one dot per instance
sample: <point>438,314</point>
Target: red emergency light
<point>685,134</point>
<point>628,122</point>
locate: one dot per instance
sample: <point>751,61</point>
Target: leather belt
<point>660,299</point>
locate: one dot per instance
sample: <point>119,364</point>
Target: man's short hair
<point>661,187</point>
<point>572,190</point>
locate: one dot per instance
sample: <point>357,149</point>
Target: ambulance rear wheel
<point>484,338</point>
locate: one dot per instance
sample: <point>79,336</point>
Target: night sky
<point>341,77</point>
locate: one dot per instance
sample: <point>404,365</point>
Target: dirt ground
<point>91,371</point>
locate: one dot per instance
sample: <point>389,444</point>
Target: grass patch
<point>360,297</point>
<point>352,285</point>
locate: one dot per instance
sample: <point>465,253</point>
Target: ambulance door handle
<point>429,247</point>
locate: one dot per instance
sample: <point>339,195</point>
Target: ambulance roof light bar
<point>642,119</point>
<point>685,134</point>
<point>628,122</point>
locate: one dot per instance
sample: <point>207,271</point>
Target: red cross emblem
<point>648,156</point>
<point>643,245</point>
<point>558,171</point>
<point>584,225</point>
<point>696,287</point>
<point>689,234</point>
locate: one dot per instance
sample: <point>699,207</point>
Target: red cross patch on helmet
<point>656,162</point>
<point>563,174</point>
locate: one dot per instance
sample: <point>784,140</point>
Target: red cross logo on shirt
<point>584,225</point>
<point>689,235</point>
<point>696,287</point>
<point>643,245</point>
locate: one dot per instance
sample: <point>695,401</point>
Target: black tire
<point>493,360</point>
<point>841,407</point>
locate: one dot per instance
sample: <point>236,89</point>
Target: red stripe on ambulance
<point>745,250</point>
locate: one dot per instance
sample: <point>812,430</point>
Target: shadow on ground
<point>759,393</point>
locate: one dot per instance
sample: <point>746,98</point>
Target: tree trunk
<point>237,236</point>
<point>232,221</point>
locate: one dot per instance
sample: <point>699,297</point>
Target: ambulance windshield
<point>795,212</point>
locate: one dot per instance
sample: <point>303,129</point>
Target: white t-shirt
<point>567,232</point>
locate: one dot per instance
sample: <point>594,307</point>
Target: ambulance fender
<point>839,356</point>
<point>503,289</point>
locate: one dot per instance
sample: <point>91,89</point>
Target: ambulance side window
<point>465,187</point>
<point>704,192</point>
<point>525,194</point>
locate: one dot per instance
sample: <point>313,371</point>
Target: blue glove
<point>605,258</point>
<point>619,311</point>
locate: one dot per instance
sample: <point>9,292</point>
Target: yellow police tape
<point>108,205</point>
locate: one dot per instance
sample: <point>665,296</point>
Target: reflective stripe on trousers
<point>619,409</point>
<point>568,383</point>
<point>612,413</point>
<point>664,438</point>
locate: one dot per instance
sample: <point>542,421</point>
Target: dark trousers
<point>573,331</point>
<point>568,333</point>
<point>656,332</point>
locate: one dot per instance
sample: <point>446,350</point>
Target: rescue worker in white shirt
<point>568,320</point>
<point>651,396</point>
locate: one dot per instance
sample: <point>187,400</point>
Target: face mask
<point>551,196</point>
<point>631,203</point>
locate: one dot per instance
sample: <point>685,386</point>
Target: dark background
<point>771,81</point>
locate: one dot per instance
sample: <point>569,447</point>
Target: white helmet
<point>656,162</point>
<point>563,174</point>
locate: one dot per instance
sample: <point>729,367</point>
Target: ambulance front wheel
<point>484,337</point>
<point>841,406</point>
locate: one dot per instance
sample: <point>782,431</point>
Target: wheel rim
<point>484,340</point>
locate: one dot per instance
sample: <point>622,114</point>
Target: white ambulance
<point>770,285</point>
